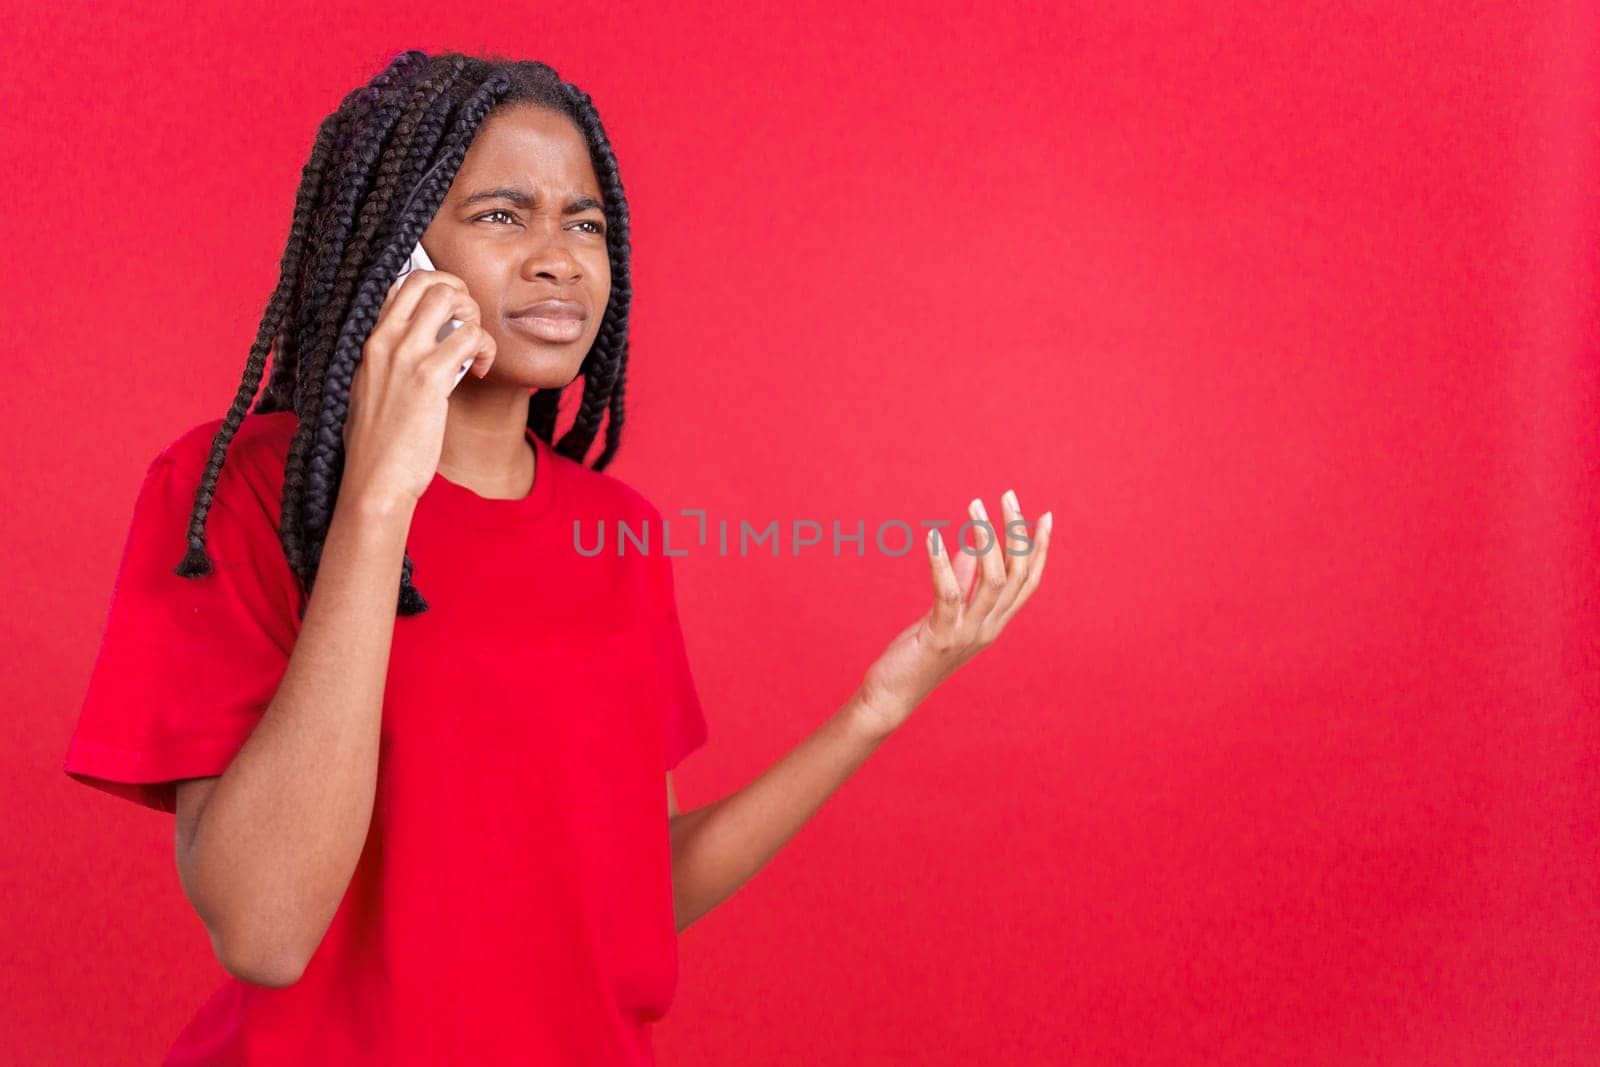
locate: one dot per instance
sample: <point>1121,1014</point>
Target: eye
<point>599,228</point>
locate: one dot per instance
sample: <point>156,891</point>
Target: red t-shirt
<point>513,901</point>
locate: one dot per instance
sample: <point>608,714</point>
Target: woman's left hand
<point>957,626</point>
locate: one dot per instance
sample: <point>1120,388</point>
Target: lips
<point>558,322</point>
<point>552,309</point>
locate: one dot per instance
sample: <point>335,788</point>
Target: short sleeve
<point>186,666</point>
<point>684,722</point>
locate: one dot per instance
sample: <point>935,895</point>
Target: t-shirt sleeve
<point>186,666</point>
<point>684,721</point>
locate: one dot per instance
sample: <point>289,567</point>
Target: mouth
<point>554,328</point>
<point>559,321</point>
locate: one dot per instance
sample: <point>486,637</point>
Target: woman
<point>428,829</point>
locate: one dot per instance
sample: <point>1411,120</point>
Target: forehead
<point>528,145</point>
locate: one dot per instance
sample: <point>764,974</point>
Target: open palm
<point>966,615</point>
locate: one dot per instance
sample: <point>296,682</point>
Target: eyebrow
<point>577,203</point>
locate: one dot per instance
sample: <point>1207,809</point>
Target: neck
<point>486,447</point>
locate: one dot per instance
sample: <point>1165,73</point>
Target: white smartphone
<point>419,261</point>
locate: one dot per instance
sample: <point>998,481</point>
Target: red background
<point>1288,314</point>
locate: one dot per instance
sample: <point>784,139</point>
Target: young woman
<point>412,739</point>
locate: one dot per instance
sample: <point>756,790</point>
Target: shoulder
<point>262,439</point>
<point>252,469</point>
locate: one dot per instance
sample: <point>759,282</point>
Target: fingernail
<point>977,508</point>
<point>1044,523</point>
<point>1011,501</point>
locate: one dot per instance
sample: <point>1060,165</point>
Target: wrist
<point>874,716</point>
<point>378,508</point>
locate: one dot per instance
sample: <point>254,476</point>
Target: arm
<point>717,847</point>
<point>265,851</point>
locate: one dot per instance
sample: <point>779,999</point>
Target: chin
<point>549,368</point>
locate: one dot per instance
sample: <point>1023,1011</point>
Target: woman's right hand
<point>399,395</point>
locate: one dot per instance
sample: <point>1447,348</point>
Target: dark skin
<point>510,254</point>
<point>506,253</point>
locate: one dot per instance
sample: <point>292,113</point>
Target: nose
<point>550,258</point>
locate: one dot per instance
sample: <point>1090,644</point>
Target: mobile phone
<point>419,261</point>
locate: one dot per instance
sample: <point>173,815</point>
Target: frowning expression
<point>523,225</point>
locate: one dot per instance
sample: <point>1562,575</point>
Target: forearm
<point>717,847</point>
<point>273,848</point>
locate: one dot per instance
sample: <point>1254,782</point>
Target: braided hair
<point>379,170</point>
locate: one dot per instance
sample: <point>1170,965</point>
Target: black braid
<point>400,139</point>
<point>603,366</point>
<point>333,275</point>
<point>321,426</point>
<point>542,412</point>
<point>279,395</point>
<point>195,562</point>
